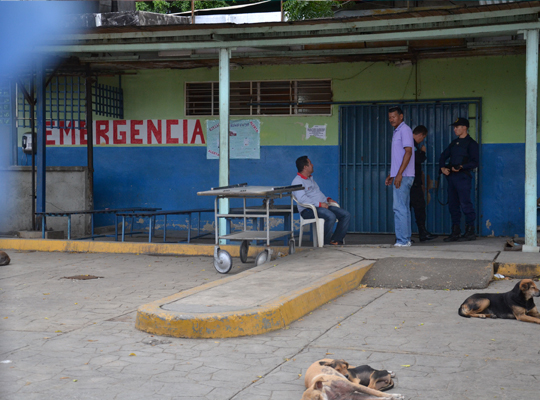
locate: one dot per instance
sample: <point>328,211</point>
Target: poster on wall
<point>244,139</point>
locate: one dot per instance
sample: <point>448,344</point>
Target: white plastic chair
<point>318,235</point>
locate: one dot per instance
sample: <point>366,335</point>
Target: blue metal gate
<point>365,145</point>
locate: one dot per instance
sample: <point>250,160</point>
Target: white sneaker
<point>408,244</point>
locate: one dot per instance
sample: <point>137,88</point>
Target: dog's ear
<point>325,363</point>
<point>525,285</point>
<point>318,384</point>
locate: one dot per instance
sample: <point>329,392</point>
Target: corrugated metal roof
<point>418,33</point>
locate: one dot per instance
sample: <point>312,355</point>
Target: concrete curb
<point>267,317</point>
<point>84,246</point>
<point>516,270</point>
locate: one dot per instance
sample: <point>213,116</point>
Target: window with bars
<point>291,97</point>
<point>66,101</point>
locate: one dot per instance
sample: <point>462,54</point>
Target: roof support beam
<point>224,87</point>
<point>531,115</point>
<point>477,31</point>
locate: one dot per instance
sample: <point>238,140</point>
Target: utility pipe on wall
<point>224,86</point>
<point>531,110</point>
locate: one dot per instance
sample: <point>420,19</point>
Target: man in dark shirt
<point>418,201</point>
<point>464,154</point>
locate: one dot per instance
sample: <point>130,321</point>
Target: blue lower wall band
<point>170,177</point>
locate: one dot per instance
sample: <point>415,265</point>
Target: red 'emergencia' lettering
<point>84,133</point>
<point>197,132</point>
<point>135,132</point>
<point>66,132</point>
<point>152,130</point>
<point>48,133</point>
<point>126,132</point>
<point>102,127</point>
<point>119,137</point>
<point>169,139</point>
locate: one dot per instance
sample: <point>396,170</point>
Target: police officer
<point>418,201</point>
<point>463,155</point>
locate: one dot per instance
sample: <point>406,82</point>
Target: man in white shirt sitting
<point>326,207</point>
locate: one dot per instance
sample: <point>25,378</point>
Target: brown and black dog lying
<point>372,378</point>
<point>4,258</point>
<point>515,304</point>
<point>329,380</point>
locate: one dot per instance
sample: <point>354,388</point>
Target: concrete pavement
<point>68,339</point>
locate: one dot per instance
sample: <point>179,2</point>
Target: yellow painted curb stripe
<point>518,270</point>
<point>274,315</point>
<point>89,246</point>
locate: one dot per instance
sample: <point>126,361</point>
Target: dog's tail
<point>460,311</point>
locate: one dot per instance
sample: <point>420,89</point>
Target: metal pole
<point>90,137</point>
<point>41,135</point>
<point>224,86</point>
<point>531,79</point>
<point>32,105</point>
<point>12,113</point>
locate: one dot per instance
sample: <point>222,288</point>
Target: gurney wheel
<point>262,258</point>
<point>223,262</point>
<point>291,246</point>
<point>244,247</point>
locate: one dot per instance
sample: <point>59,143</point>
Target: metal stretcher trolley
<point>222,259</point>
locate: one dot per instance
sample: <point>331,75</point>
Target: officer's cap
<point>461,122</point>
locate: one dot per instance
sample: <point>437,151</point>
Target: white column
<point>224,89</point>
<point>531,110</point>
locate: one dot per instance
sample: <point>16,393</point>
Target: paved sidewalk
<point>71,339</point>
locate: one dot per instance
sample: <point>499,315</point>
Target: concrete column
<point>224,92</point>
<point>531,115</point>
<point>41,134</point>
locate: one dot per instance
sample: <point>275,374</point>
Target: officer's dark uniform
<point>465,153</point>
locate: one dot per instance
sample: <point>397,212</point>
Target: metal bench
<point>68,214</point>
<point>151,215</point>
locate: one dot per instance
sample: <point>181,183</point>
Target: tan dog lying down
<point>327,380</point>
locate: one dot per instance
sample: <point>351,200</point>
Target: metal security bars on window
<point>298,97</point>
<point>66,102</point>
<point>108,101</point>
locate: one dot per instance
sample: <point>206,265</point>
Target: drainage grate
<point>82,277</point>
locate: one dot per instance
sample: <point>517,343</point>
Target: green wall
<point>499,81</point>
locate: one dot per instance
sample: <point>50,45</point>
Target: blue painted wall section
<point>170,177</point>
<point>503,189</point>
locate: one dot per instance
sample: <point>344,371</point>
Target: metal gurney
<point>222,259</point>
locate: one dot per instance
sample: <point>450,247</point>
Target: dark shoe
<point>468,235</point>
<point>336,243</point>
<point>424,234</point>
<point>456,234</point>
